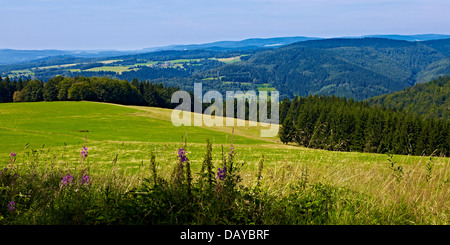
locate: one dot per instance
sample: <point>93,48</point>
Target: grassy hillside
<point>59,123</point>
<point>292,185</point>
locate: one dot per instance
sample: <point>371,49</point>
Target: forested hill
<point>430,99</point>
<point>354,68</point>
<point>358,68</point>
<point>333,123</point>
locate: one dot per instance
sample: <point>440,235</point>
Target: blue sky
<point>136,24</point>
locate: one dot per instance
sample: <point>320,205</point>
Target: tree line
<point>334,123</point>
<point>102,89</point>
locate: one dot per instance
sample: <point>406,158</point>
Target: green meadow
<point>373,188</point>
<point>117,69</point>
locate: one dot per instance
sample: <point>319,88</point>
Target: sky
<point>137,24</point>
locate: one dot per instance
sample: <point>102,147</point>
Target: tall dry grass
<point>420,194</point>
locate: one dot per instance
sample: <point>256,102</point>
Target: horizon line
<point>250,38</point>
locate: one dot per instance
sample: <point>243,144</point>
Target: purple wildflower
<point>232,153</point>
<point>13,158</point>
<point>12,206</point>
<point>221,173</point>
<point>84,152</point>
<point>182,155</point>
<point>67,180</point>
<point>85,179</point>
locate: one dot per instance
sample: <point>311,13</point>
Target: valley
<point>357,68</point>
<point>328,165</point>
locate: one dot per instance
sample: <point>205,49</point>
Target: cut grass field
<point>123,138</point>
<point>60,123</point>
<point>230,60</point>
<point>117,69</point>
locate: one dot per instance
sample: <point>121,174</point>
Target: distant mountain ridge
<point>12,56</point>
<point>15,56</point>
<point>420,37</point>
<point>357,68</point>
<point>250,43</point>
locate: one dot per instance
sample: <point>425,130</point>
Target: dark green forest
<point>351,68</point>
<point>431,99</point>
<point>338,124</point>
<point>102,89</point>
